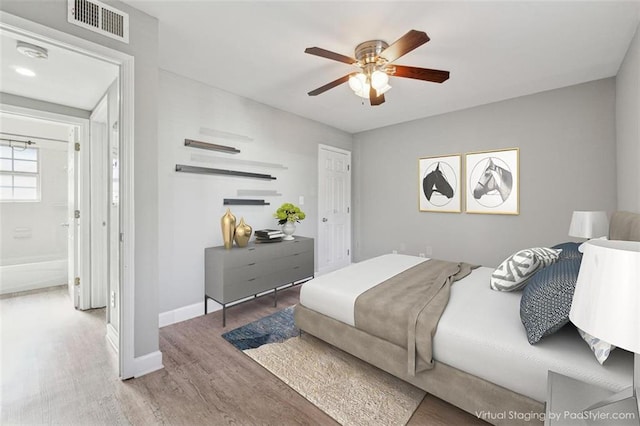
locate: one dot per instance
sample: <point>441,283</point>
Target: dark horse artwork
<point>436,181</point>
<point>494,178</point>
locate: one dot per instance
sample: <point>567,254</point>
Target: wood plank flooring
<point>57,367</point>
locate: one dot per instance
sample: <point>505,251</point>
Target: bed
<point>505,375</point>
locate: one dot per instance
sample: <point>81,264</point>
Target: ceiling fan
<point>374,59</point>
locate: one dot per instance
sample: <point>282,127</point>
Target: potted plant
<point>287,215</point>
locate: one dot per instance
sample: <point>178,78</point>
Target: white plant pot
<point>288,229</point>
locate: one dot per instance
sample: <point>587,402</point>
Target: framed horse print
<point>493,181</point>
<point>440,183</point>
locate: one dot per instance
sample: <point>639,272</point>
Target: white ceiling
<point>65,78</point>
<point>494,50</point>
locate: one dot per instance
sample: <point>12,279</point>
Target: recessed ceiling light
<point>32,51</point>
<point>25,71</point>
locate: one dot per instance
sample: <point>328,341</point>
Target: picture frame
<point>493,181</point>
<point>440,183</point>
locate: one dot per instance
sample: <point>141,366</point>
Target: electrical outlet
<point>394,251</point>
<point>113,299</point>
<point>429,251</point>
<point>301,200</point>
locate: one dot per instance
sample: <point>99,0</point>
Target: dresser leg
<point>224,315</point>
<point>205,304</point>
<point>275,297</point>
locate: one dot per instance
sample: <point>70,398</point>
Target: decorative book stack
<point>268,235</point>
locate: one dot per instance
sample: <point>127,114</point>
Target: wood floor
<point>56,367</point>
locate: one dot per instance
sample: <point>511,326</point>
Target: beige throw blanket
<point>406,308</point>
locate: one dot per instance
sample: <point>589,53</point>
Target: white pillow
<point>513,273</point>
<point>600,348</point>
<point>581,246</point>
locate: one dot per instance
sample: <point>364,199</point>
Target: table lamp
<point>606,303</point>
<point>588,224</point>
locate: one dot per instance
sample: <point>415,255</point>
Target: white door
<point>79,249</point>
<point>99,205</point>
<point>334,208</point>
<point>115,244</point>
<point>72,221</point>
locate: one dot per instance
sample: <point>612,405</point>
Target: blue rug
<point>276,327</point>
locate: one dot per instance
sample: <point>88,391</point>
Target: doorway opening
<point>59,97</point>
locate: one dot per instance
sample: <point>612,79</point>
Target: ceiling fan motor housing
<point>369,51</point>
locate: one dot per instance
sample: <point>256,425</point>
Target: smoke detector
<point>32,51</point>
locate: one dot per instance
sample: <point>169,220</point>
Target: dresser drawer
<point>288,248</point>
<point>240,289</point>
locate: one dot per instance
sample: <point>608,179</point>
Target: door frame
<point>350,207</point>
<point>23,27</point>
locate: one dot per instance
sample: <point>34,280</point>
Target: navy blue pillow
<point>546,300</point>
<point>569,250</point>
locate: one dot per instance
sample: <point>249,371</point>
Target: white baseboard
<point>186,312</point>
<point>148,363</point>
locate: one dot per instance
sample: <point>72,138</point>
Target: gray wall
<point>567,162</point>
<point>628,128</point>
<point>143,45</point>
<point>191,205</point>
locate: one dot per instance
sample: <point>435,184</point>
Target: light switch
<point>301,200</point>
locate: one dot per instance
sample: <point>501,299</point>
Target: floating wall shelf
<point>244,202</point>
<point>207,171</point>
<point>211,146</point>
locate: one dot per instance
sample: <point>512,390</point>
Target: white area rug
<point>346,388</point>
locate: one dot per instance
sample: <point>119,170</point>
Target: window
<point>19,174</point>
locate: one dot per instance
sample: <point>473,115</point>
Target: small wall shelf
<point>208,171</point>
<point>211,146</point>
<point>244,202</point>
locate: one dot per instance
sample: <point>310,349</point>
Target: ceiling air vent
<point>100,18</point>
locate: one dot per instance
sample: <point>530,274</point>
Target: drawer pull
<point>251,279</point>
<point>297,267</point>
<point>251,264</point>
<point>297,254</point>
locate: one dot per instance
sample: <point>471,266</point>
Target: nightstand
<point>567,398</point>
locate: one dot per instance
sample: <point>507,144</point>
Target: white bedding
<point>480,331</point>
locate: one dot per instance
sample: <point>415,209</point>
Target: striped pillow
<point>513,273</point>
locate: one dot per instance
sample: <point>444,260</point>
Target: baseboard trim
<point>186,313</point>
<point>147,363</point>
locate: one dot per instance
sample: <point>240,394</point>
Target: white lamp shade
<point>606,302</point>
<point>357,82</point>
<point>585,224</point>
<point>379,79</point>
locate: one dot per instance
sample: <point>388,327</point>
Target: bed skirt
<point>479,397</point>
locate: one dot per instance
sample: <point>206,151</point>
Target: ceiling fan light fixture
<point>379,79</point>
<point>357,82</point>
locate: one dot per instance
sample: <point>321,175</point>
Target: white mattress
<point>480,331</point>
<point>335,293</point>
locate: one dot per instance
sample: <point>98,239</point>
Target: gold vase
<point>228,223</point>
<point>242,234</point>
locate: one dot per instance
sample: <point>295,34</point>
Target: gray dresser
<point>232,275</point>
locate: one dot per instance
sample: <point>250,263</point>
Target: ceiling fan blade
<point>404,45</point>
<point>328,86</point>
<point>374,98</point>
<point>426,74</point>
<point>329,55</point>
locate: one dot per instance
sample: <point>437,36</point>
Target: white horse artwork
<point>494,179</point>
